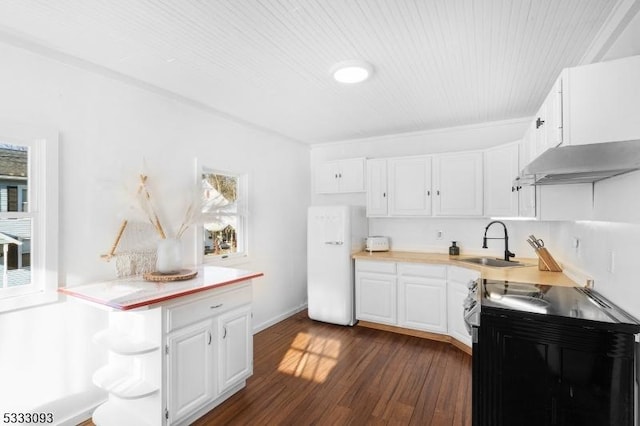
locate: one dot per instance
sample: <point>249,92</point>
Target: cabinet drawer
<point>422,270</point>
<point>382,267</point>
<point>207,306</point>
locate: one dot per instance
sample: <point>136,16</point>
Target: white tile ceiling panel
<point>438,63</point>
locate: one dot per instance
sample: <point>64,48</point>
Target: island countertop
<point>135,292</point>
<point>525,274</point>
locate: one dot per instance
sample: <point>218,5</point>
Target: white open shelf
<point>122,383</point>
<point>124,344</point>
<point>113,414</point>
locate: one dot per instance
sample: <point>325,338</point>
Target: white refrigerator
<point>334,233</point>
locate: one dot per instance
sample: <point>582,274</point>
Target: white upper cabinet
<point>588,104</point>
<point>527,200</point>
<point>410,186</point>
<point>377,195</point>
<point>601,101</point>
<point>500,169</point>
<point>457,184</point>
<point>547,126</point>
<point>503,197</point>
<point>340,176</point>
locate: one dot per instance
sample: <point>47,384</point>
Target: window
<point>224,212</point>
<point>28,216</point>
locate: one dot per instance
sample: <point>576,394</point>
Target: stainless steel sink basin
<point>496,263</point>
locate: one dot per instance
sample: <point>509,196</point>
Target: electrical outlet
<point>575,243</point>
<point>439,235</point>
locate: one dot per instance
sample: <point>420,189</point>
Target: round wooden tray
<point>183,274</point>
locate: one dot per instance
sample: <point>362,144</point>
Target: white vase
<point>169,260</point>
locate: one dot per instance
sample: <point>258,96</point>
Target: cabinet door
<point>422,303</point>
<point>526,194</point>
<point>553,118</point>
<point>410,186</point>
<point>458,184</point>
<point>190,369</point>
<point>235,348</point>
<point>377,187</point>
<point>376,297</point>
<point>601,102</point>
<point>351,175</point>
<point>327,178</point>
<point>500,169</point>
<point>456,294</point>
<point>527,201</point>
<point>539,135</point>
<point>548,122</point>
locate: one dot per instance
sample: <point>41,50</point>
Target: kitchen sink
<point>496,263</point>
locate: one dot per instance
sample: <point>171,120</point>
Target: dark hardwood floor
<point>311,373</point>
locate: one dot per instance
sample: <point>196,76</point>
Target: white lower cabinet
<point>171,363</point>
<point>190,373</point>
<point>376,292</point>
<point>209,351</point>
<point>415,296</point>
<point>457,291</point>
<point>422,297</point>
<point>235,359</point>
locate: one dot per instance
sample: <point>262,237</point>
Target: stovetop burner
<point>567,302</point>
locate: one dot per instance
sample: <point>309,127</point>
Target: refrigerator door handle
<point>334,243</point>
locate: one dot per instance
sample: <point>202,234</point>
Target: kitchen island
<point>176,349</point>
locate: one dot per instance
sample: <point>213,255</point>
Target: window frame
<point>242,229</point>
<point>42,178</point>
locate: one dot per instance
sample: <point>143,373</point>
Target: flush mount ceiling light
<point>350,72</point>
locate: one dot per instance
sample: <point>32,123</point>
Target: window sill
<point>228,261</point>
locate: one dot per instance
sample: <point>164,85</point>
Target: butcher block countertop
<point>524,274</point>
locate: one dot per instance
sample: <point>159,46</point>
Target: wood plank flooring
<point>311,373</point>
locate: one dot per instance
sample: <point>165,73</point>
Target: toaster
<point>377,243</point>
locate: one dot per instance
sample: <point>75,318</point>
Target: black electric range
<point>550,355</point>
<point>570,305</point>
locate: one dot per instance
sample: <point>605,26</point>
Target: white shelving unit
<point>124,344</point>
<point>133,376</point>
<point>122,383</point>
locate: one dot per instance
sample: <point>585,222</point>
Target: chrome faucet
<point>507,253</point>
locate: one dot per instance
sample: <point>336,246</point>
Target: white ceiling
<point>438,63</point>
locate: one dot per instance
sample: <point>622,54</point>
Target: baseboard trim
<point>277,319</point>
<point>417,333</point>
<point>75,409</point>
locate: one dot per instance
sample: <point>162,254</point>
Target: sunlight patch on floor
<point>310,357</point>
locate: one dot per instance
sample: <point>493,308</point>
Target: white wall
<point>107,127</point>
<point>608,245</point>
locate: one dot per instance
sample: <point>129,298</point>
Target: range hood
<point>582,163</point>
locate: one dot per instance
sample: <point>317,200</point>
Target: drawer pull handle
<point>215,306</point>
<point>210,338</point>
<point>225,333</point>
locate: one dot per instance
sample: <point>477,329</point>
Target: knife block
<point>546,262</point>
